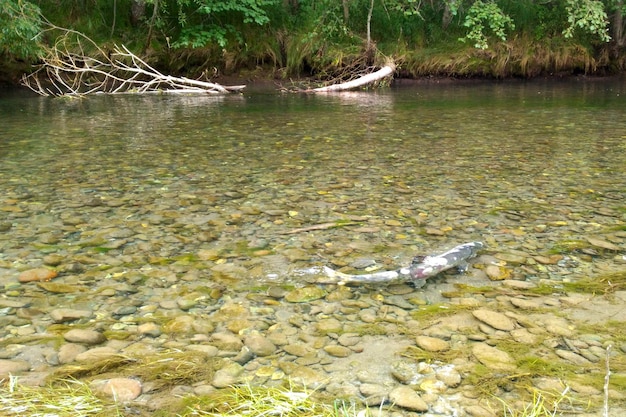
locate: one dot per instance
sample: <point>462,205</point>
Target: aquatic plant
<point>543,404</point>
<point>284,401</point>
<point>65,398</point>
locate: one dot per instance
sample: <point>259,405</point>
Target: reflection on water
<point>522,166</point>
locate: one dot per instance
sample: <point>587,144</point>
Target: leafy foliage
<point>587,16</point>
<point>317,35</point>
<point>206,21</point>
<point>20,29</point>
<point>486,15</point>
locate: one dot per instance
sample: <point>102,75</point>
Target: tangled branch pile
<point>67,69</point>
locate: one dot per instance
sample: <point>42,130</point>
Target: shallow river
<point>183,224</point>
<point>537,167</point>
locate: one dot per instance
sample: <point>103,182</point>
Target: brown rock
<point>478,411</point>
<point>69,351</point>
<point>572,357</point>
<point>149,329</point>
<point>61,315</point>
<point>88,337</point>
<point>37,274</point>
<point>432,344</point>
<point>493,358</point>
<point>406,397</point>
<point>260,345</point>
<point>12,367</point>
<point>338,351</point>
<point>525,304</point>
<point>96,354</point>
<point>121,389</point>
<point>496,320</point>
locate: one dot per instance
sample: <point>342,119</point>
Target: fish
<point>420,269</point>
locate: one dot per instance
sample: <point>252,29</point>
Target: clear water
<point>523,166</point>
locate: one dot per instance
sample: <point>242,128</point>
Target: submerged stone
<point>493,358</point>
<point>407,398</point>
<point>305,294</point>
<point>432,344</point>
<point>88,337</point>
<point>120,389</point>
<point>37,274</point>
<point>496,320</point>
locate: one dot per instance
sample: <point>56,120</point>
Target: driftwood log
<point>420,269</point>
<point>374,77</point>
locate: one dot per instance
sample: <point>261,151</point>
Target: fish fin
<point>462,267</point>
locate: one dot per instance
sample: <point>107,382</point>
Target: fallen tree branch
<point>375,77</point>
<point>320,226</point>
<point>67,69</point>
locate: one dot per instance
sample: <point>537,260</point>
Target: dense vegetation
<point>294,37</point>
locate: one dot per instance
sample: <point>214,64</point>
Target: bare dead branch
<point>68,69</point>
<point>384,72</point>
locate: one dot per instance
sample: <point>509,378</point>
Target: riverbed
<point>183,223</point>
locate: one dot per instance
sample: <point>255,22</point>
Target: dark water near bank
<point>525,167</point>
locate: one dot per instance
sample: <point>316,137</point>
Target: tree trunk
<point>369,25</point>
<point>618,24</point>
<point>447,15</point>
<point>618,29</point>
<point>137,12</point>
<point>155,13</point>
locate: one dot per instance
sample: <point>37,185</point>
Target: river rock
<point>326,326</point>
<point>432,344</point>
<point>478,411</point>
<point>87,337</point>
<point>228,375</point>
<point>53,259</point>
<point>226,341</point>
<point>512,258</point>
<point>349,339</point>
<point>230,271</point>
<point>120,389</point>
<point>8,303</point>
<point>493,358</point>
<point>187,325</point>
<point>298,349</point>
<point>572,357</point>
<point>96,354</point>
<point>259,345</point>
<point>305,375</point>
<point>37,274</point>
<point>603,244</point>
<point>338,351</point>
<point>62,315</point>
<point>12,366</point>
<point>375,394</point>
<point>406,397</point>
<point>59,287</point>
<point>494,319</point>
<point>525,337</point>
<point>69,351</point>
<point>449,376</point>
<point>497,272</point>
<point>149,329</point>
<point>305,294</point>
<point>525,304</point>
